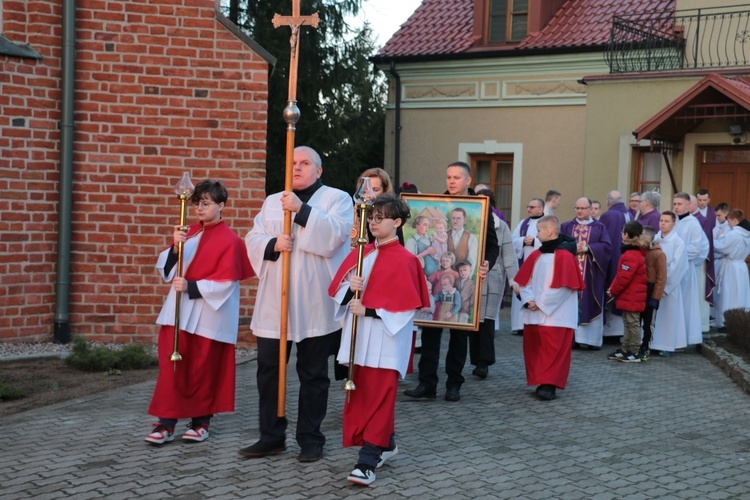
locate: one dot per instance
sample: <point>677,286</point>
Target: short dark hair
<point>551,194</point>
<point>459,209</point>
<point>462,264</point>
<point>703,192</point>
<point>724,207</point>
<point>670,214</point>
<point>214,189</point>
<point>632,229</point>
<point>683,195</point>
<point>461,164</point>
<point>389,205</point>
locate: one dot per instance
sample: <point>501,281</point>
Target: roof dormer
<point>507,22</point>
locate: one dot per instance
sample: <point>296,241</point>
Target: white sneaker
<point>160,435</point>
<point>196,434</point>
<point>387,455</point>
<point>361,474</point>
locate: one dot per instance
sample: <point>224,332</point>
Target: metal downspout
<point>397,138</point>
<point>64,213</point>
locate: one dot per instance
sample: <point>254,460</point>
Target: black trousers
<point>455,358</point>
<point>647,317</point>
<point>482,344</point>
<point>312,370</point>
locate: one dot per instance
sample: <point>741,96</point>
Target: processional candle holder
<point>363,199</point>
<point>184,190</point>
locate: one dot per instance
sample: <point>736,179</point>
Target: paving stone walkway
<point>668,428</point>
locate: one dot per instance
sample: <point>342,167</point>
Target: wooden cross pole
<point>291,116</point>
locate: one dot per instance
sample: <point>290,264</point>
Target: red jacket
<point>629,285</point>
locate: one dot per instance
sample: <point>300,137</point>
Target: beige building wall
<point>549,142</point>
<point>614,110</point>
<point>531,107</point>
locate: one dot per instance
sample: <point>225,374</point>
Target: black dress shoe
<point>481,371</point>
<point>420,392</point>
<point>263,449</point>
<point>310,453</point>
<point>546,392</point>
<point>452,394</point>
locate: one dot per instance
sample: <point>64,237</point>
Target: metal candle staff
<point>184,190</point>
<point>291,116</point>
<point>363,199</point>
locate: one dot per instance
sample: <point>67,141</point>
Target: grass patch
<point>9,392</point>
<point>101,359</point>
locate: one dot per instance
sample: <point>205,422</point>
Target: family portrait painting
<point>447,234</point>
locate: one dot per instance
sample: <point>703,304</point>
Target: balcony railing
<point>698,39</point>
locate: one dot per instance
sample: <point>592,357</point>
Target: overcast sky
<point>386,16</point>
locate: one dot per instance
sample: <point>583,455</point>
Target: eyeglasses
<point>583,208</point>
<point>203,204</point>
<point>532,206</point>
<point>377,219</point>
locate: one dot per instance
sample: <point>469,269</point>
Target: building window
<point>496,171</point>
<point>508,20</point>
<point>647,171</point>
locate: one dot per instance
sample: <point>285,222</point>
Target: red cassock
<point>203,383</point>
<point>547,349</point>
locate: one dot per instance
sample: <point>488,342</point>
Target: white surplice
<point>216,315</point>
<point>669,331</point>
<point>732,282</point>
<point>557,306</point>
<point>522,252</point>
<point>318,250</point>
<point>696,246</point>
<point>383,342</point>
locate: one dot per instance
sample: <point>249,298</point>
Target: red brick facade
<point>162,87</point>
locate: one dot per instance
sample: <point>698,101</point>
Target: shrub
<point>737,322</point>
<point>8,392</point>
<point>101,359</point>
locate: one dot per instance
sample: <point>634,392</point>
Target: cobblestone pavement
<point>668,428</point>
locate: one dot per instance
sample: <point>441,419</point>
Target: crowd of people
<point>651,277</point>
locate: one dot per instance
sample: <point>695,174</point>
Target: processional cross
<point>291,116</point>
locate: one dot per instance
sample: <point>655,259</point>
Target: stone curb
<point>734,366</point>
<point>32,357</point>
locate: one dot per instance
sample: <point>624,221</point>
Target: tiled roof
<point>588,22</point>
<point>436,27</point>
<point>440,27</point>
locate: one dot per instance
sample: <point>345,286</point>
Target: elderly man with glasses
<point>593,253</point>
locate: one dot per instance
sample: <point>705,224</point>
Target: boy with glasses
<point>385,315</point>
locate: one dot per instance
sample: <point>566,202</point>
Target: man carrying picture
<point>457,180</point>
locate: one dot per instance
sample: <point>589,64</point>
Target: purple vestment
<point>593,265</point>
<point>614,220</point>
<point>708,225</point>
<point>650,219</point>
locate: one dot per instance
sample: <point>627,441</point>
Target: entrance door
<point>725,172</point>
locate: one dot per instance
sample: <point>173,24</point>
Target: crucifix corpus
<point>291,116</point>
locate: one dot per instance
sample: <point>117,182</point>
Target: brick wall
<point>162,87</point>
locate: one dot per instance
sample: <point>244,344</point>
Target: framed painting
<point>447,234</point>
